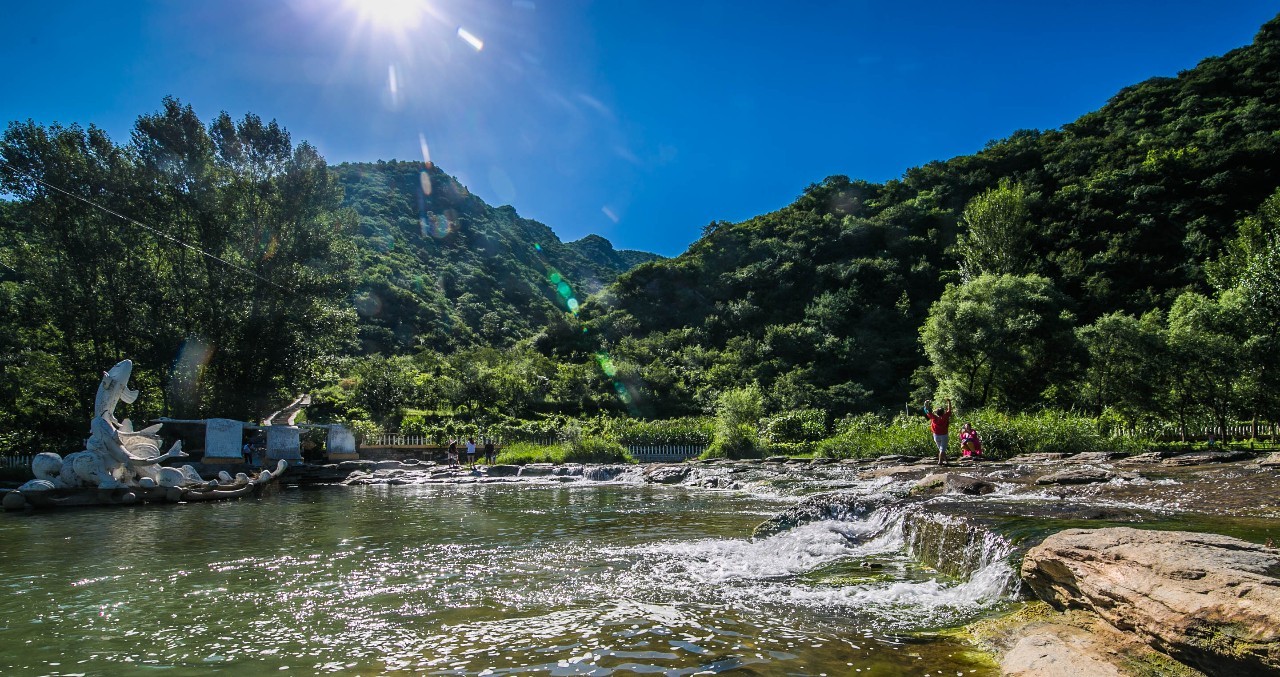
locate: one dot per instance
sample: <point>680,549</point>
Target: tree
<point>1206,353</point>
<point>1000,340</point>
<point>998,238</point>
<point>1128,364</point>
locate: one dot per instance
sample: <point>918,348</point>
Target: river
<point>483,579</point>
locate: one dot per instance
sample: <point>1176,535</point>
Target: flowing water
<point>551,578</point>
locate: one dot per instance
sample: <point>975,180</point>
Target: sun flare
<point>391,14</point>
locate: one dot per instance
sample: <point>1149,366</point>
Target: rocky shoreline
<point>1127,597</point>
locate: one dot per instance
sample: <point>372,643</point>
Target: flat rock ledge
<point>1209,601</point>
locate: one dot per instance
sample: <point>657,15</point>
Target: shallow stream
<point>543,578</point>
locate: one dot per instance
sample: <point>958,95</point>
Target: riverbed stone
<point>504,470</point>
<point>1271,460</point>
<point>666,474</point>
<point>537,470</point>
<point>1203,457</point>
<point>1082,475</point>
<point>1210,601</point>
<point>955,483</point>
<point>1096,456</point>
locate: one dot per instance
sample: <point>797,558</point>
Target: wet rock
<point>388,465</point>
<point>1210,601</point>
<point>537,470</point>
<point>666,474</point>
<point>835,505</point>
<point>1096,456</point>
<point>503,470</point>
<point>777,459</point>
<point>896,458</point>
<point>956,483</point>
<point>930,482</point>
<point>603,473</point>
<point>822,460</point>
<point>1059,651</point>
<point>1083,475</point>
<point>1203,457</point>
<point>1042,458</point>
<point>1272,460</point>
<point>354,466</point>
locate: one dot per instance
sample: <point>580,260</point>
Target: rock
<point>840,505</point>
<point>1042,458</point>
<point>1202,457</point>
<point>777,459</point>
<point>1083,475</point>
<point>1058,651</point>
<point>388,465</point>
<point>956,483</point>
<point>504,470</point>
<point>1210,601</point>
<point>1272,460</point>
<point>354,466</point>
<point>821,460</point>
<point>666,474</point>
<point>603,473</point>
<point>1096,456</point>
<point>929,482</point>
<point>537,470</point>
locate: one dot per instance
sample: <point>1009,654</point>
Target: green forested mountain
<point>822,301</point>
<point>1127,264</point>
<point>443,270</point>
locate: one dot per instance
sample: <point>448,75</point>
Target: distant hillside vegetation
<point>441,269</point>
<point>822,301</point>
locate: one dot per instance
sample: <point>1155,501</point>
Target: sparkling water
<point>560,579</point>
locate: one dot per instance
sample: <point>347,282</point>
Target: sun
<point>390,15</point>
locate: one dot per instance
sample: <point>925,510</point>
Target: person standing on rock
<point>488,451</point>
<point>471,451</point>
<point>453,452</point>
<point>939,421</point>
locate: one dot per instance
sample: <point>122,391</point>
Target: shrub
<point>364,430</point>
<point>737,417</point>
<point>803,425</point>
<point>675,431</point>
<point>523,453</point>
<point>596,451</point>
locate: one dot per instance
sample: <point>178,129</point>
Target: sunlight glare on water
<point>464,579</point>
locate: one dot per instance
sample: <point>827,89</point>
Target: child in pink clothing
<point>970,443</point>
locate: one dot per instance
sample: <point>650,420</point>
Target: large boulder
<point>1207,600</point>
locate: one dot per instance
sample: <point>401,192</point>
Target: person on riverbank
<point>453,452</point>
<point>489,453</point>
<point>939,421</point>
<point>471,452</point>
<point>970,443</point>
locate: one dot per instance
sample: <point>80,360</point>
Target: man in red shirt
<point>939,420</point>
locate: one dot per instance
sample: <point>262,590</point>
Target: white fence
<point>16,461</point>
<point>665,452</point>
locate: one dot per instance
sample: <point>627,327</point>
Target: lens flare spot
<point>573,305</point>
<point>393,81</point>
<point>606,365</point>
<point>555,278</point>
<point>537,247</point>
<point>425,179</point>
<point>609,213</point>
<point>426,153</point>
<point>476,43</point>
<point>564,290</point>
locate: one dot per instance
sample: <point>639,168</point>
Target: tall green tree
<point>998,235</point>
<point>1002,340</point>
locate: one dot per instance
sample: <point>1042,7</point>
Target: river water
<point>489,579</point>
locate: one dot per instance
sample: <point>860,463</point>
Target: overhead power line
<point>135,222</point>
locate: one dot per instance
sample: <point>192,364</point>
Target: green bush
<point>580,451</point>
<point>675,431</point>
<point>803,425</point>
<point>596,451</point>
<point>737,418</point>
<point>868,437</point>
<point>364,430</point>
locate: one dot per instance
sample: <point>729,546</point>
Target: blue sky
<point>639,121</point>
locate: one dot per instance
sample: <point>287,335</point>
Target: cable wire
<point>136,222</point>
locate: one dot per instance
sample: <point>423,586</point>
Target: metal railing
<point>16,461</point>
